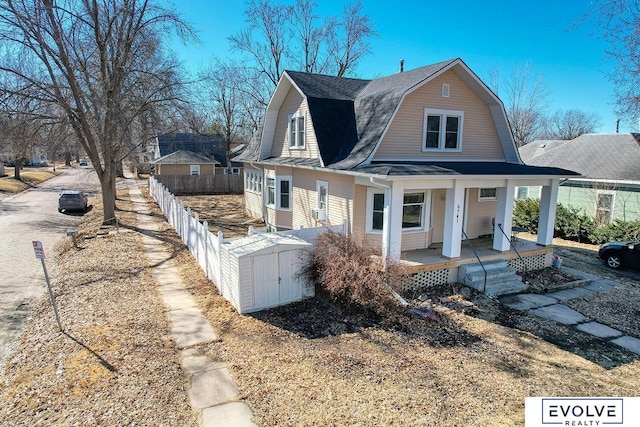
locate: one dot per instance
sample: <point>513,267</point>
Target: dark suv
<point>72,201</point>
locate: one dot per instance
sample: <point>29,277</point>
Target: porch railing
<point>466,238</point>
<point>524,264</point>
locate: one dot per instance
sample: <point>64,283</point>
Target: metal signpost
<point>39,250</point>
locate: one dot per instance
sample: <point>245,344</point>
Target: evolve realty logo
<point>575,411</point>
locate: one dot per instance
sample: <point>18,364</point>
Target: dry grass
<point>115,364</point>
<point>303,364</point>
<point>29,178</point>
<point>312,364</point>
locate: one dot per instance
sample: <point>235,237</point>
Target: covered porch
<point>429,267</point>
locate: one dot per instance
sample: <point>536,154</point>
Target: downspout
<point>396,295</point>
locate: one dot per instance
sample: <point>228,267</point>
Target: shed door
<point>290,289</point>
<point>265,280</point>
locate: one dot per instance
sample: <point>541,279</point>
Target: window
<point>253,181</point>
<point>322,188</point>
<point>522,192</point>
<point>234,171</point>
<point>377,211</point>
<point>296,131</point>
<point>442,130</point>
<point>604,207</point>
<point>486,194</point>
<point>412,210</point>
<point>270,196</point>
<point>284,196</point>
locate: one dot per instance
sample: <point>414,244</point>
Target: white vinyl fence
<point>204,245</point>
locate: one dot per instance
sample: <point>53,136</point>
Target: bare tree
<point>101,62</point>
<point>332,44</point>
<point>618,21</point>
<point>349,38</point>
<point>570,124</point>
<point>525,101</point>
<point>226,101</point>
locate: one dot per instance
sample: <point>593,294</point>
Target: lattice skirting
<point>426,279</point>
<point>535,262</point>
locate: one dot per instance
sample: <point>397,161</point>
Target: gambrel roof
<point>350,116</point>
<point>595,156</point>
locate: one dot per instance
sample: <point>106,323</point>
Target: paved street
<point>32,215</point>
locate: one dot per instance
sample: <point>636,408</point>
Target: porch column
<point>392,222</point>
<point>546,222</point>
<point>504,217</point>
<point>453,220</point>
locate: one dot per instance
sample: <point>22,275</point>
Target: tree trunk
<point>16,172</point>
<point>108,185</point>
<point>119,169</point>
<point>67,158</point>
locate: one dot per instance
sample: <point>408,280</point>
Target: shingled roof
<point>182,157</point>
<point>596,156</point>
<point>211,146</point>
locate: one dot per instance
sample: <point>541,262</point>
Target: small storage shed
<point>261,271</point>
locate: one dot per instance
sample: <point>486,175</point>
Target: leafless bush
<point>352,274</point>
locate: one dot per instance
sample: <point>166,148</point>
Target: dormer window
<point>442,130</point>
<point>296,131</point>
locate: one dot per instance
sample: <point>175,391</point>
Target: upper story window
<point>296,131</point>
<point>442,130</point>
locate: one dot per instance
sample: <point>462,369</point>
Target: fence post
<point>205,226</point>
<point>197,239</point>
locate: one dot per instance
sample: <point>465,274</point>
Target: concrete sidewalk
<point>212,390</point>
<point>550,306</point>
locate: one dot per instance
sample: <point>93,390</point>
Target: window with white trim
<point>604,207</point>
<point>283,192</point>
<point>253,181</point>
<point>234,171</point>
<point>270,194</point>
<point>413,210</point>
<point>442,130</point>
<point>194,169</point>
<point>487,194</point>
<point>296,131</point>
<point>322,190</point>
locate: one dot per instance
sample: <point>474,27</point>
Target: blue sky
<point>486,35</point>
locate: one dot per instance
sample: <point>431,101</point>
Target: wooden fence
<point>202,184</point>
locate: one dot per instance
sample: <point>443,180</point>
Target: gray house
<point>609,165</point>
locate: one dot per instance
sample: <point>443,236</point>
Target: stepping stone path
<point>212,390</point>
<point>550,307</point>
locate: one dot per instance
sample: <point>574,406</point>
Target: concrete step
<point>505,289</point>
<point>500,278</point>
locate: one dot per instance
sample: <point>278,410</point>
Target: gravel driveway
<point>32,215</point>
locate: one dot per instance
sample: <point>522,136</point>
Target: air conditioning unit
<point>319,214</point>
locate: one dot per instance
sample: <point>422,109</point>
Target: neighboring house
<point>418,158</point>
<point>609,187</point>
<point>184,162</point>
<point>208,145</point>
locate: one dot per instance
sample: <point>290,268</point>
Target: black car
<point>72,201</point>
<point>620,254</point>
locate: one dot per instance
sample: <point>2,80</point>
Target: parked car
<point>83,162</point>
<point>71,200</point>
<point>620,254</point>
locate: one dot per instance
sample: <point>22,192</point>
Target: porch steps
<point>501,279</point>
